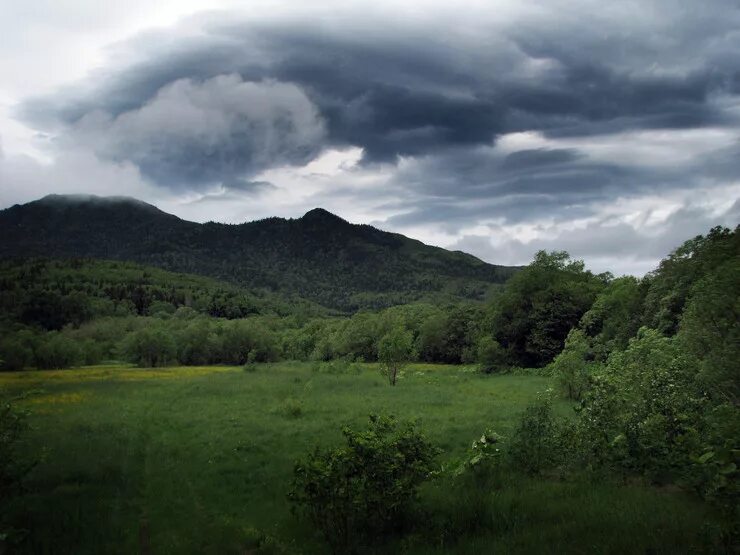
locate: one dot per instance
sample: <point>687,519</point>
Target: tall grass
<point>198,460</point>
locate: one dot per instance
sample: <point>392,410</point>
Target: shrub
<point>490,355</point>
<point>485,456</point>
<point>538,442</point>
<point>149,347</point>
<point>570,368</point>
<point>292,408</point>
<point>15,354</point>
<point>57,351</point>
<point>360,491</point>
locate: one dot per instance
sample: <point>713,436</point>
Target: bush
<point>647,412</point>
<point>570,368</point>
<point>15,354</point>
<point>292,408</point>
<point>57,351</point>
<point>490,355</point>
<point>149,347</point>
<point>538,443</point>
<point>359,492</point>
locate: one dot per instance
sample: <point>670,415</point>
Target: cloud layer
<point>489,128</point>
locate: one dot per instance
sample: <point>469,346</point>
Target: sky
<point>610,130</point>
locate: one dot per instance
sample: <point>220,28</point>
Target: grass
<point>198,460</point>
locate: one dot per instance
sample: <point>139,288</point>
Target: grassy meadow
<point>199,459</point>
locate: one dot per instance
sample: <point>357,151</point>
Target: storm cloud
<point>394,91</point>
<point>464,119</point>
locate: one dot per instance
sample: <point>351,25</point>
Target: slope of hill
<point>320,256</point>
<point>51,293</point>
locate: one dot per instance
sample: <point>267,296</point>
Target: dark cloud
<point>203,132</point>
<point>402,91</point>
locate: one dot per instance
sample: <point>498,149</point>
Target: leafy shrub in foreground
<point>360,491</point>
<point>645,411</point>
<point>539,442</point>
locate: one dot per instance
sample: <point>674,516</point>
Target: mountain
<point>319,257</point>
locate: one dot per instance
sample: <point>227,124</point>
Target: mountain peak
<point>320,256</point>
<point>94,200</point>
<point>321,215</point>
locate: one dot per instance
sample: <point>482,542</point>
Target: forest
<point>640,375</point>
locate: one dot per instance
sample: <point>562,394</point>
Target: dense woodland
<point>651,364</point>
<point>319,257</point>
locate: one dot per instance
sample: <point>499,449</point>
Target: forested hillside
<point>319,257</point>
<point>53,293</point>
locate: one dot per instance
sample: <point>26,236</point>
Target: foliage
<point>318,257</point>
<point>710,330</point>
<point>614,317</point>
<point>646,414</point>
<point>483,460</point>
<point>490,355</point>
<point>16,351</point>
<point>360,491</point>
<point>58,351</point>
<point>149,347</point>
<point>670,285</point>
<point>571,368</point>
<point>539,305</point>
<point>450,335</point>
<point>51,294</point>
<point>539,442</point>
<point>216,482</point>
<point>395,349</point>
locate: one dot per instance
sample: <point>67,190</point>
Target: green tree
<point>395,349</point>
<point>16,350</point>
<point>670,285</point>
<point>490,355</point>
<point>710,330</point>
<point>149,347</point>
<point>197,343</point>
<point>539,305</point>
<point>538,441</point>
<point>571,368</point>
<point>614,317</point>
<point>56,350</point>
<point>644,410</point>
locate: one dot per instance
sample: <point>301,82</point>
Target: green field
<point>198,460</point>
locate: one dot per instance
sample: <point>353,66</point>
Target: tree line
<point>57,314</point>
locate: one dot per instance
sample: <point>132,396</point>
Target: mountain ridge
<point>319,256</point>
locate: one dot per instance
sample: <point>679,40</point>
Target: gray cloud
<point>205,132</point>
<point>518,118</point>
<point>404,90</point>
<point>606,244</point>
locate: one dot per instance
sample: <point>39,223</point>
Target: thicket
<point>363,490</point>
